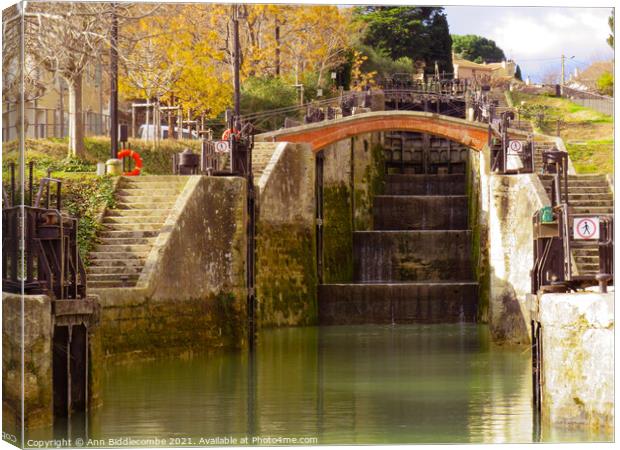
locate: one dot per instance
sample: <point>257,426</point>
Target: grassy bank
<point>52,153</point>
<point>588,134</point>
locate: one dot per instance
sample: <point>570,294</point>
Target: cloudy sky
<point>535,37</point>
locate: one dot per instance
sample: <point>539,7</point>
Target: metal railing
<point>553,245</point>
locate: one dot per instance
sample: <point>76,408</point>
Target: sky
<point>536,37</point>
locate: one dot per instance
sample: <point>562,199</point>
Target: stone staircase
<point>587,194</point>
<point>129,230</point>
<point>261,155</point>
<point>415,266</point>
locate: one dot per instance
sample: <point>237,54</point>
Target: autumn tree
<point>64,37</point>
<point>14,68</point>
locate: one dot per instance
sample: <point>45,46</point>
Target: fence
<point>47,123</point>
<point>600,103</point>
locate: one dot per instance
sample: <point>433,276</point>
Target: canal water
<point>330,385</point>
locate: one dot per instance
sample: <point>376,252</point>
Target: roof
<point>589,76</point>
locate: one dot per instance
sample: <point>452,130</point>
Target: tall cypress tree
<point>518,75</point>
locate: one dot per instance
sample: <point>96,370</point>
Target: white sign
<point>222,147</point>
<point>515,146</point>
<point>586,228</point>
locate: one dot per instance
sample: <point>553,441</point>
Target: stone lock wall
<point>285,239</point>
<point>36,344</point>
<point>513,200</point>
<point>368,176</point>
<point>477,179</point>
<point>192,294</point>
<point>337,213</point>
<point>578,359</point>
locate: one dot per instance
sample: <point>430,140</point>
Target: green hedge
<point>52,154</point>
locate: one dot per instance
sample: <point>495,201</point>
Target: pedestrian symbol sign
<point>586,228</point>
<point>515,146</point>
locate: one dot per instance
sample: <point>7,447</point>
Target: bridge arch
<point>322,134</point>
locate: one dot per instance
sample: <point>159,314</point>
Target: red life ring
<point>136,157</point>
<point>228,132</point>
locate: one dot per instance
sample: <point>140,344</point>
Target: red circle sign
<point>586,228</point>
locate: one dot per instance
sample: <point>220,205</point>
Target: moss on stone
<point>337,234</point>
<point>479,250</point>
<point>286,274</point>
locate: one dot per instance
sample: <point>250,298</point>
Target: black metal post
<point>236,66</point>
<point>114,84</point>
<point>31,181</point>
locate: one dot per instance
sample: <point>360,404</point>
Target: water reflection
<point>362,384</point>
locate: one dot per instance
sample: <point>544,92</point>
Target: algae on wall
<point>286,274</point>
<point>286,267</point>
<point>369,177</point>
<point>337,213</point>
<point>337,234</point>
<point>479,232</point>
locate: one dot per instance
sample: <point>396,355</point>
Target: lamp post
<point>113,164</point>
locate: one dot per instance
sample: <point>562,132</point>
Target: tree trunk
<point>76,120</point>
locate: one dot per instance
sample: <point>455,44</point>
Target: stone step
<point>399,256</point>
<point>592,209</point>
<point>157,206</point>
<point>121,263</point>
<point>121,255</point>
<point>99,248</point>
<point>405,184</point>
<point>574,196</point>
<point>108,284</point>
<point>154,220</point>
<point>114,270</point>
<point>146,226</point>
<point>585,184</point>
<point>129,234</point>
<point>590,202</point>
<point>136,192</point>
<point>150,186</point>
<point>157,214</point>
<point>590,190</point>
<point>126,241</point>
<point>111,276</point>
<point>385,303</point>
<point>420,212</point>
<point>143,197</point>
<point>586,176</point>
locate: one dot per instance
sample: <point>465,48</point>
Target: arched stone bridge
<point>322,134</point>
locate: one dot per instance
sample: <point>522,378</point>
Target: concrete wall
<point>578,359</point>
<point>36,344</point>
<point>286,276</point>
<point>192,292</point>
<point>337,213</point>
<point>477,185</point>
<point>512,202</point>
<point>368,177</point>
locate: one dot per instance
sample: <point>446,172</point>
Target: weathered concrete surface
<point>405,184</point>
<point>34,345</point>
<point>285,239</point>
<point>368,177</point>
<point>477,188</point>
<point>338,213</point>
<point>416,255</point>
<point>192,291</point>
<point>578,359</point>
<point>408,212</point>
<point>513,201</point>
<point>385,303</point>
<point>321,134</point>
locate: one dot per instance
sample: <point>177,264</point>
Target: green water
<point>354,384</point>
